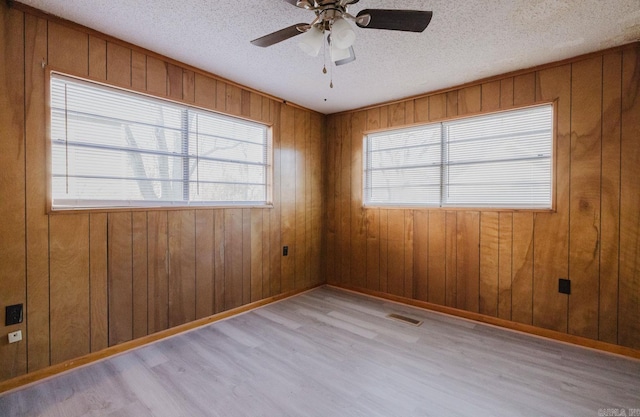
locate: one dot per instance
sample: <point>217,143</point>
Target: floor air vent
<point>404,319</point>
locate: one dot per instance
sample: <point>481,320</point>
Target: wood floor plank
<point>330,352</point>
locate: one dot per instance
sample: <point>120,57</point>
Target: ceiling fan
<point>332,19</point>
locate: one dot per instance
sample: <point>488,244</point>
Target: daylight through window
<point>112,148</point>
<point>501,160</point>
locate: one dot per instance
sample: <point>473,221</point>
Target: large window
<point>501,160</point>
<point>112,148</point>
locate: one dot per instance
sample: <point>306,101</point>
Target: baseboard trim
<point>25,380</point>
<point>498,322</point>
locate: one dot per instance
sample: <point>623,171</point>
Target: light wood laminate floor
<point>332,353</point>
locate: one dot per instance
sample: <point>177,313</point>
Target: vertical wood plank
<point>266,253</point>
<point>65,46</point>
<point>505,265</point>
<point>205,253</point>
<point>470,99</point>
<point>452,103</point>
<point>491,96</point>
<point>396,223</point>
<point>182,270</point>
<point>156,76</point>
<point>358,215</point>
<point>233,104</point>
<point>468,260</point>
<point>205,91</point>
<point>13,358</point>
<point>98,295</point>
<point>221,95</point>
<point>219,257</point>
<point>232,258</point>
<point>138,70</point>
<point>384,250</point>
<point>37,222</point>
<point>97,58</point>
<point>120,278</point>
<point>629,296</point>
<point>275,267</point>
<point>372,221</point>
<point>506,93</point>
<point>334,239</point>
<point>489,263</point>
<point>524,89</point>
<point>437,107</point>
<point>246,256</point>
<point>69,266</point>
<point>610,198</point>
<point>584,215</point>
<point>373,248</point>
<point>139,273</point>
<point>437,258</point>
<point>287,196</point>
<point>174,81</point>
<point>158,271</point>
<point>246,103</point>
<point>344,200</point>
<point>301,131</point>
<point>316,192</point>
<point>451,272</point>
<point>421,254</point>
<point>188,86</point>
<point>522,264</point>
<point>551,257</point>
<point>421,109</point>
<point>256,254</point>
<point>395,252</point>
<point>408,243</point>
<point>118,64</point>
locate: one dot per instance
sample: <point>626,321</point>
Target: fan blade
<point>405,20</point>
<point>280,35</point>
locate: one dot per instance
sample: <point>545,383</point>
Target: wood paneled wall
<point>506,264</point>
<point>91,280</point>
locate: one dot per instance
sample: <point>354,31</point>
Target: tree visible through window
<point>111,148</point>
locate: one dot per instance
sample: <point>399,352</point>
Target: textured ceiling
<point>466,40</point>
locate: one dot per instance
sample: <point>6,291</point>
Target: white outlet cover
<point>15,336</point>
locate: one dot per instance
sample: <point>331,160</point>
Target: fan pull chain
<point>331,82</point>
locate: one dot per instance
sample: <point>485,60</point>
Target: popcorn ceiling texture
<point>465,41</point>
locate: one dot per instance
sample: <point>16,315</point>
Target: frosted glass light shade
<point>311,41</point>
<point>338,54</point>
<point>342,34</point>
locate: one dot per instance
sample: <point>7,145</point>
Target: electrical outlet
<point>564,286</point>
<point>13,315</point>
<point>285,250</point>
<point>15,336</point>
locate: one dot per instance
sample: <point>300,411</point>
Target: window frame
<point>447,207</point>
<point>176,205</point>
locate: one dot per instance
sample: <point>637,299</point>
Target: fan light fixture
<point>342,34</point>
<point>311,41</point>
<point>331,22</point>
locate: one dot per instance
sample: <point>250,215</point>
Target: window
<point>113,148</point>
<point>501,160</point>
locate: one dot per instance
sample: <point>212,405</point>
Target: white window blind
<point>111,148</point>
<point>403,166</point>
<point>501,160</point>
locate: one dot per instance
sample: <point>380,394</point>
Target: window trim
<point>399,206</point>
<point>163,206</point>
